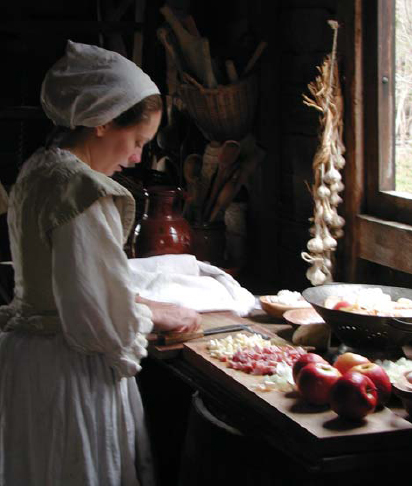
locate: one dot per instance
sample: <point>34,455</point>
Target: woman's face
<point>116,147</point>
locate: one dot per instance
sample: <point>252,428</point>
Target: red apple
<point>353,396</point>
<point>304,360</point>
<point>346,361</point>
<point>315,381</point>
<point>341,304</point>
<point>380,379</point>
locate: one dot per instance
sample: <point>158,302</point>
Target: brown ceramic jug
<point>162,229</point>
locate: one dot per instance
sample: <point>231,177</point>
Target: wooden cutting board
<point>319,432</point>
<point>210,320</point>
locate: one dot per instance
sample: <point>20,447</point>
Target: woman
<point>70,410</point>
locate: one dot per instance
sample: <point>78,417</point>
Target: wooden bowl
<point>303,317</point>
<point>403,390</point>
<point>277,310</point>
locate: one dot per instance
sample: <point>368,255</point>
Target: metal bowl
<point>359,330</point>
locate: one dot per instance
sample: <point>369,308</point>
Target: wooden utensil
<point>195,49</point>
<point>209,169</point>
<point>231,71</point>
<point>192,80</point>
<point>164,36</point>
<point>192,168</point>
<point>227,158</point>
<point>238,179</point>
<point>190,25</point>
<point>226,195</point>
<point>252,61</point>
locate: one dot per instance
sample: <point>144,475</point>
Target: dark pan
<point>359,330</point>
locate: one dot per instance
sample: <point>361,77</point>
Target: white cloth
<point>184,280</point>
<point>65,419</point>
<point>90,86</point>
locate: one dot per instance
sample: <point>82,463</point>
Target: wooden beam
<point>350,47</point>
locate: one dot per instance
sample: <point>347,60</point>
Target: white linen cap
<point>90,86</point>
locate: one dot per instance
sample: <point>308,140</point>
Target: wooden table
<point>318,444</point>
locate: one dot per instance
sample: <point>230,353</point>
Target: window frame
<point>378,31</point>
<point>378,221</point>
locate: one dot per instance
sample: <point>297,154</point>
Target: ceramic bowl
<point>277,310</point>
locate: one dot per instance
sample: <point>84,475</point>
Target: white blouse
<point>93,291</point>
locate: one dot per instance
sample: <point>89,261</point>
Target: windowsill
<point>402,194</point>
<point>385,242</point>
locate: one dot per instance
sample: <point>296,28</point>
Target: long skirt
<point>65,419</point>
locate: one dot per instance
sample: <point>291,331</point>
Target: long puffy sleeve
<point>93,292</point>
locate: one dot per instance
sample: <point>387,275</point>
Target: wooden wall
<point>298,38</point>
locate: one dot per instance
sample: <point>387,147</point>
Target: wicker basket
<point>223,113</point>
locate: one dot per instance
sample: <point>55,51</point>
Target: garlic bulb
<point>337,221</point>
<point>332,176</point>
<point>329,243</point>
<point>339,233</point>
<point>335,199</point>
<point>337,186</point>
<point>315,245</point>
<point>323,192</point>
<point>328,215</point>
<point>340,161</point>
<point>327,264</point>
<point>319,210</point>
<point>315,275</point>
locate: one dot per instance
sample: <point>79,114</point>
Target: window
<point>403,96</point>
<point>384,85</point>
<point>378,215</point>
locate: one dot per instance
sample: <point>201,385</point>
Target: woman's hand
<point>172,317</point>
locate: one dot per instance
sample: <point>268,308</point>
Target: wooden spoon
<point>192,168</point>
<point>238,179</point>
<point>227,157</point>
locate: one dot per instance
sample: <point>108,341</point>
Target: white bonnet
<point>90,86</point>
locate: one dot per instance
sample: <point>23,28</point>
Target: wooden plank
<point>350,45</point>
<point>319,431</point>
<point>385,242</point>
